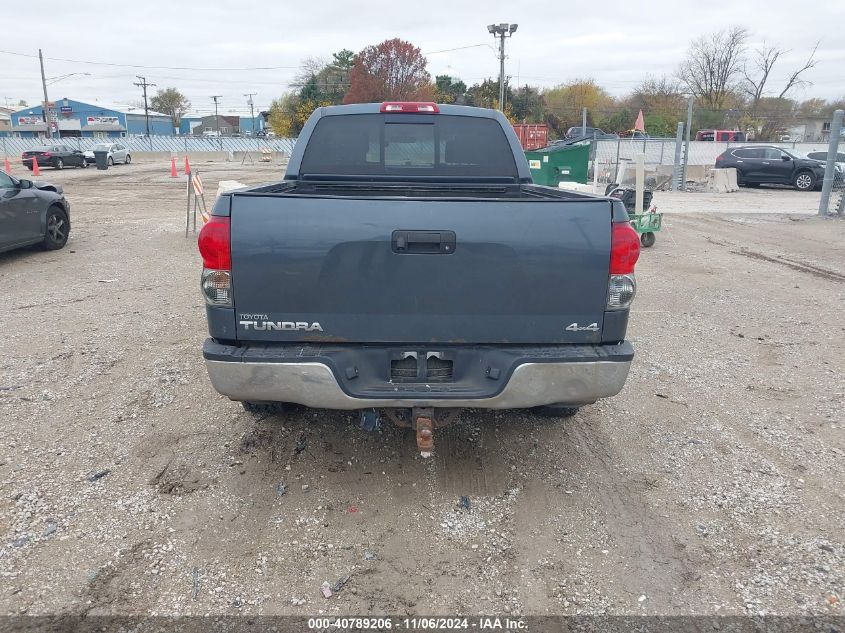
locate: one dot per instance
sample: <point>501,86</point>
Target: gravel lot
<point>712,485</point>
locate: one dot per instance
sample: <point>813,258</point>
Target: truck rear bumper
<point>328,376</point>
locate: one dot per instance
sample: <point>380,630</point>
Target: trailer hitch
<point>423,420</point>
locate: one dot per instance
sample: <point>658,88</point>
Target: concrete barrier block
<point>225,186</point>
<point>722,181</point>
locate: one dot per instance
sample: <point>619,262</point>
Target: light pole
<point>502,31</point>
<point>686,144</point>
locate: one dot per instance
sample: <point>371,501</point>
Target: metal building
<point>71,118</point>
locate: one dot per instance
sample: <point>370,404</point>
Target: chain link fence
<point>610,157</point>
<point>11,146</point>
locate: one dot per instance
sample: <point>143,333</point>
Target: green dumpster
<point>559,163</point>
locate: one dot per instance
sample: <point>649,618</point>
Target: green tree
<point>449,89</point>
<point>486,94</point>
<point>171,101</point>
<point>527,105</point>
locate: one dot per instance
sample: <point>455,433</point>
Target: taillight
<point>624,252</point>
<point>412,107</point>
<point>624,248</point>
<point>215,245</point>
<point>46,154</point>
<point>721,156</point>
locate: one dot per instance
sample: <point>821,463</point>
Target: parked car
<point>407,284</point>
<point>117,153</point>
<point>32,213</point>
<point>822,156</point>
<point>732,136</point>
<point>839,176</point>
<point>574,133</point>
<point>58,156</point>
<point>766,164</point>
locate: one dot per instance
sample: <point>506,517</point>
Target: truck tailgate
<point>419,271</point>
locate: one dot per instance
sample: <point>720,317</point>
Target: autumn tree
<point>394,70</point>
<point>171,101</point>
<point>713,65</point>
<point>564,104</point>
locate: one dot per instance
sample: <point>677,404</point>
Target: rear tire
<point>58,229</point>
<point>555,411</point>
<point>647,239</point>
<point>804,181</point>
<point>111,161</point>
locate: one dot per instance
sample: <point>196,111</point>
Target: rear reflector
<point>413,107</point>
<point>624,248</point>
<point>217,287</point>
<point>214,244</point>
<point>620,291</point>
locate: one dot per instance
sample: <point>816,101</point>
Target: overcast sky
<point>618,44</point>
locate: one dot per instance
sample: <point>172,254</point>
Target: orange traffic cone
<point>35,170</point>
<point>7,166</point>
<point>187,165</point>
<point>173,173</point>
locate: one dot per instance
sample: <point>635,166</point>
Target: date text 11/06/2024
<point>483,623</point>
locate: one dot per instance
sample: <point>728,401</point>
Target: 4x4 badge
<point>573,327</point>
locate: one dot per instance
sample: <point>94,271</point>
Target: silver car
<point>117,153</point>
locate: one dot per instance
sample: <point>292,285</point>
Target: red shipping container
<point>532,135</point>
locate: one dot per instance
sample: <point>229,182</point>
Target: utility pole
<point>144,85</point>
<point>502,31</point>
<point>217,121</point>
<point>251,104</point>
<point>46,101</point>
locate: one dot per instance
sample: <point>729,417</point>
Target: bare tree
<point>759,69</point>
<point>795,78</point>
<point>757,72</point>
<point>712,64</point>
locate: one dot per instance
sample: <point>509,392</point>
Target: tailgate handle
<point>423,242</point>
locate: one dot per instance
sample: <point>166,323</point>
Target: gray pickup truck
<point>407,264</point>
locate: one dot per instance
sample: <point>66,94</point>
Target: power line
<point>195,68</point>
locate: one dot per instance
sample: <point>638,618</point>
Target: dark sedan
<point>58,156</point>
<point>765,164</point>
<point>32,213</point>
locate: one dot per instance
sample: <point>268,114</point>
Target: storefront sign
<point>103,120</point>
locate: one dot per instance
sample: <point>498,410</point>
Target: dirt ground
<point>712,485</point>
